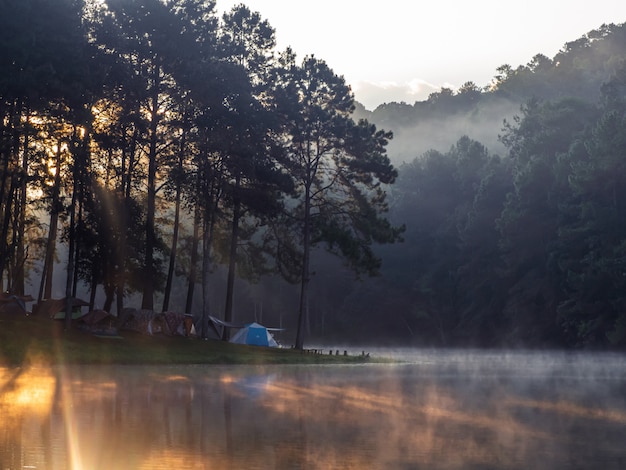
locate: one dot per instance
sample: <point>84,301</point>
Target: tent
<point>180,324</point>
<point>55,308</point>
<point>95,317</point>
<point>255,334</point>
<point>98,322</point>
<point>14,304</point>
<point>150,323</point>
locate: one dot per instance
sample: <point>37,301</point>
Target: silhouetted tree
<point>339,167</point>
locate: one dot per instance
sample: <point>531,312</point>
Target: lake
<point>437,410</point>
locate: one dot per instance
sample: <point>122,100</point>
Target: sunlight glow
<point>71,434</point>
<point>30,391</point>
<point>569,409</point>
<point>167,459</point>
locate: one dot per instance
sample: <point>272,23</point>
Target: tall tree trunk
<point>127,183</point>
<point>120,252</point>
<point>147,301</point>
<point>92,294</point>
<point>207,240</point>
<point>119,299</point>
<point>45,289</point>
<point>195,242</point>
<point>71,255</point>
<point>80,149</point>
<point>79,223</point>
<point>305,275</point>
<point>109,296</point>
<point>232,262</point>
<point>172,261</point>
<point>121,248</point>
<point>130,154</point>
<point>6,149</point>
<point>20,259</point>
<point>15,222</point>
<point>6,223</point>
<point>7,188</point>
<point>206,273</point>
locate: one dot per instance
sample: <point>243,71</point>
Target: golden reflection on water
<point>565,408</point>
<point>428,430</point>
<point>298,418</point>
<point>26,391</point>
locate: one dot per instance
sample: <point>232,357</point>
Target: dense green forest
<point>155,155</point>
<point>526,245</point>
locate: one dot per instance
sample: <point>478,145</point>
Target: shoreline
<point>38,341</point>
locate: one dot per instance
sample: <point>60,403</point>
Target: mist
<point>415,133</point>
<point>433,409</point>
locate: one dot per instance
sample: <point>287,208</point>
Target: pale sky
<point>402,50</point>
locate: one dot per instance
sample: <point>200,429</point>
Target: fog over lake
<point>461,409</point>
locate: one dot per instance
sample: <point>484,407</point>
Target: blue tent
<point>255,334</point>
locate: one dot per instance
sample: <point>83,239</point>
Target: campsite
<point>37,339</point>
<point>255,334</point>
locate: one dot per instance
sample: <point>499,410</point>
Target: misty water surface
<point>440,410</point>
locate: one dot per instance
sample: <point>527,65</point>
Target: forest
<point>157,156</point>
<point>523,245</point>
<point>145,142</point>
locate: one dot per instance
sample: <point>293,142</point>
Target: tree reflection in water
<point>448,412</point>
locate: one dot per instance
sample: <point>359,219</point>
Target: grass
<point>36,340</point>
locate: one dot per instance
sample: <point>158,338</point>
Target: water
<point>437,410</point>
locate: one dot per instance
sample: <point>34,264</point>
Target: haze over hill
<point>413,134</point>
<point>577,70</point>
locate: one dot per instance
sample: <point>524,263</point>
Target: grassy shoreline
<point>36,340</point>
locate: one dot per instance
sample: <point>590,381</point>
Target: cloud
<point>373,94</point>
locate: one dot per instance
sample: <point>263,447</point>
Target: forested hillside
<point>477,110</point>
<point>526,245</point>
